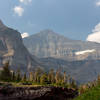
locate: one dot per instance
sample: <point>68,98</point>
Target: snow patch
<point>84,52</point>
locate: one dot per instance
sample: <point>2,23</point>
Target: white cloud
<point>84,52</point>
<point>25,1</point>
<point>18,10</point>
<point>98,3</point>
<point>95,35</point>
<point>24,35</point>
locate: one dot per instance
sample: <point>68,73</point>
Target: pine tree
<point>98,80</point>
<point>64,78</point>
<point>44,79</point>
<point>30,76</point>
<point>73,84</point>
<point>18,75</point>
<point>13,76</point>
<point>5,73</point>
<point>24,77</point>
<point>58,77</point>
<point>37,75</point>
<point>51,76</point>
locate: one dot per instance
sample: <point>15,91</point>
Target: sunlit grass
<point>91,94</point>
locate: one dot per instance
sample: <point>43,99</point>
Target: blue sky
<point>76,19</point>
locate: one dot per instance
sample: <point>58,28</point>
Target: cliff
<point>13,50</point>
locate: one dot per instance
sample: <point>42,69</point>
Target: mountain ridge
<point>47,43</point>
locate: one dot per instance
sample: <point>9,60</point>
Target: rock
<point>37,93</point>
<point>13,50</point>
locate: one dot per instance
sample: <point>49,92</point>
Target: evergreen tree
<point>18,75</point>
<point>24,77</point>
<point>37,75</point>
<point>51,76</point>
<point>58,77</point>
<point>5,73</point>
<point>13,76</point>
<point>30,76</point>
<point>64,78</point>
<point>44,79</point>
<point>98,80</point>
<point>73,84</point>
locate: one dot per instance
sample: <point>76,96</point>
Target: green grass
<point>20,84</point>
<point>91,94</point>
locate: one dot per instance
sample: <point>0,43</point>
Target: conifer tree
<point>98,80</point>
<point>64,78</point>
<point>37,75</point>
<point>13,76</point>
<point>58,77</point>
<point>30,76</point>
<point>24,77</point>
<point>51,76</point>
<point>5,73</point>
<point>44,79</point>
<point>18,75</point>
<point>73,84</point>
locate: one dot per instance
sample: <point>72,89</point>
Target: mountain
<point>79,59</point>
<point>13,50</point>
<point>47,43</point>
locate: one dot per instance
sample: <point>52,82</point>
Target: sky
<point>75,19</point>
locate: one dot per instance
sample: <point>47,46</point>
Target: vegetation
<point>37,77</point>
<point>90,91</point>
<point>5,74</point>
<point>91,94</point>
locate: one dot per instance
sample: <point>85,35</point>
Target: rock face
<point>37,93</point>
<point>13,50</point>
<point>50,44</point>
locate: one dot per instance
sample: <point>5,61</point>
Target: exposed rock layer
<point>37,93</point>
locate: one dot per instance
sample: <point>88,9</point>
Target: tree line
<point>38,76</point>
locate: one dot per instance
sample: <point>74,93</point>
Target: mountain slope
<point>13,50</point>
<point>82,71</point>
<point>50,44</point>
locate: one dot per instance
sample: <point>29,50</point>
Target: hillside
<point>82,71</point>
<point>92,94</point>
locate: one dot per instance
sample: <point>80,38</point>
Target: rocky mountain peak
<point>48,35</point>
<point>47,32</point>
<point>1,22</point>
<point>2,26</point>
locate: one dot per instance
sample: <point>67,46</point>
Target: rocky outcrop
<point>50,44</point>
<point>13,50</point>
<point>37,93</point>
